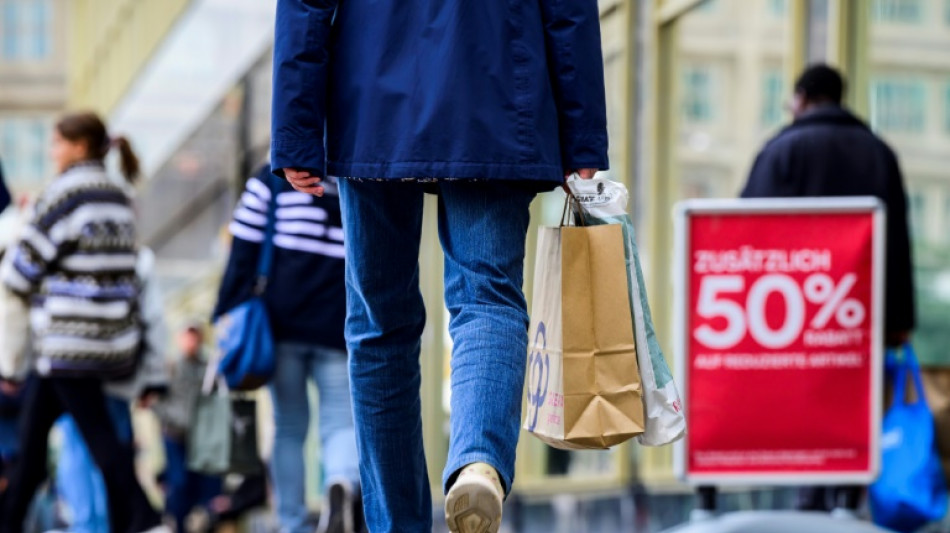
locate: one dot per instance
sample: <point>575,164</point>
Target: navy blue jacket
<point>830,152</point>
<point>439,89</point>
<point>306,292</point>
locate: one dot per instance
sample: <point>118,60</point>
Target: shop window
<point>698,95</point>
<point>26,29</point>
<point>773,94</point>
<point>898,11</point>
<point>898,105</point>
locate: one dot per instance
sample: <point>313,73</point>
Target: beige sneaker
<point>474,502</point>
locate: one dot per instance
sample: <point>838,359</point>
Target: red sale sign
<point>779,314</point>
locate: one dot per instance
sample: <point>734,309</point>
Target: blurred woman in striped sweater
<point>75,263</point>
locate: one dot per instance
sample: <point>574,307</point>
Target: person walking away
<point>184,489</point>
<point>486,123</point>
<point>828,151</point>
<point>79,483</point>
<point>75,264</point>
<point>306,304</point>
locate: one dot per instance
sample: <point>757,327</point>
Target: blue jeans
<point>482,226</point>
<point>78,480</point>
<point>327,367</point>
<point>185,489</point>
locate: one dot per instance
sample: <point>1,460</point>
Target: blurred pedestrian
<point>75,263</point>
<point>828,151</point>
<point>79,483</point>
<point>185,489</point>
<point>306,302</point>
<point>233,504</point>
<point>485,104</point>
<point>4,192</point>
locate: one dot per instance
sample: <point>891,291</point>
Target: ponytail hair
<point>128,161</point>
<point>88,128</point>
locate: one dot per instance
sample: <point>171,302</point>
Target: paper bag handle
<point>571,201</point>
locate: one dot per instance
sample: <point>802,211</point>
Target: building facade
<point>32,87</point>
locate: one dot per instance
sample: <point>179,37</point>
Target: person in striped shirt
<point>75,263</point>
<point>306,304</point>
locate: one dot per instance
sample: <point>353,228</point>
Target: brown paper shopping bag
<point>583,382</point>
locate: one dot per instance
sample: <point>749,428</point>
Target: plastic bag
<point>911,490</point>
<point>605,202</point>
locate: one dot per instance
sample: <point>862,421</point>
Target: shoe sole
<point>473,506</point>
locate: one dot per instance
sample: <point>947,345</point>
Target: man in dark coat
<point>827,151</point>
<point>484,103</point>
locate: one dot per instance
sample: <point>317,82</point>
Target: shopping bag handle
<point>572,204</point>
<point>908,362</point>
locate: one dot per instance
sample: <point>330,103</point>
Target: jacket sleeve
<point>575,60</point>
<point>32,255</point>
<point>247,229</point>
<point>301,57</point>
<point>899,292</point>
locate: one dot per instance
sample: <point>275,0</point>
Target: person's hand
<point>582,173</point>
<point>10,388</point>
<point>220,504</point>
<point>146,401</point>
<point>304,181</point>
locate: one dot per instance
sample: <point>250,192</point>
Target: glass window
<point>10,30</point>
<point>26,29</point>
<point>898,11</point>
<point>23,150</point>
<point>898,105</point>
<point>778,8</point>
<point>773,94</point>
<point>732,87</point>
<point>697,94</point>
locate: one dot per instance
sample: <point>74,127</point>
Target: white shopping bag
<point>605,202</point>
<point>15,335</point>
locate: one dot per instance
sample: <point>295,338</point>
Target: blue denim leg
<point>382,224</point>
<point>483,228</point>
<point>176,481</point>
<point>340,459</point>
<point>79,481</point>
<point>291,422</point>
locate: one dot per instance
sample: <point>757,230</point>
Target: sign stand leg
<point>706,497</point>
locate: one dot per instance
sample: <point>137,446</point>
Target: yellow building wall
<point>109,43</point>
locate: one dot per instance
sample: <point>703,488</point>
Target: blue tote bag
<point>911,490</point>
<point>244,340</point>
